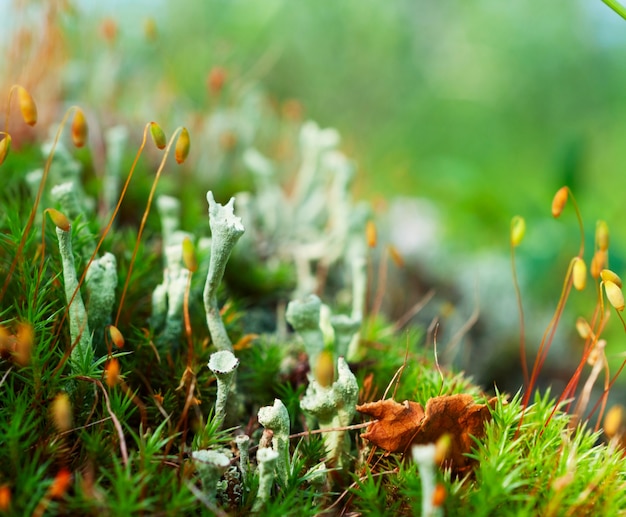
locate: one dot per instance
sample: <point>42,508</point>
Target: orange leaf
<point>397,423</point>
<point>399,426</point>
<point>459,417</point>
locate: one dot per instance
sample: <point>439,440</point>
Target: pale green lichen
<point>304,316</point>
<point>333,407</point>
<point>82,353</point>
<point>211,465</point>
<point>101,283</point>
<point>116,140</point>
<point>169,213</point>
<point>276,419</point>
<point>345,329</point>
<point>226,229</point>
<point>67,195</point>
<point>223,364</point>
<point>66,168</point>
<point>424,456</point>
<point>308,226</point>
<point>168,297</point>
<point>267,460</point>
<point>243,445</point>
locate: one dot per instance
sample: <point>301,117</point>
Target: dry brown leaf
<point>399,426</point>
<point>397,423</point>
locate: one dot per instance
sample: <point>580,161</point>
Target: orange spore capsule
<point>5,145</point>
<point>609,276</point>
<point>602,235</point>
<point>189,255</point>
<point>182,146</point>
<point>158,136</point>
<point>370,234</point>
<point>116,336</point>
<point>79,128</point>
<point>598,262</point>
<point>518,230</point>
<point>559,200</point>
<point>579,274</point>
<point>59,219</point>
<point>614,295</point>
<point>27,106</point>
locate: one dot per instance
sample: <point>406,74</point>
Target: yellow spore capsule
<point>158,136</point>
<point>324,369</point>
<point>518,230</point>
<point>59,219</point>
<point>579,274</point>
<point>112,372</point>
<point>598,262</point>
<point>5,145</point>
<point>559,200</point>
<point>182,146</point>
<point>27,106</point>
<point>116,336</point>
<point>79,128</point>
<point>602,235</point>
<point>614,421</point>
<point>609,276</point>
<point>583,328</point>
<point>370,234</point>
<point>189,255</point>
<point>61,412</point>
<point>614,295</point>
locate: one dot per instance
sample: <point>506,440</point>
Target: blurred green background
<point>485,108</point>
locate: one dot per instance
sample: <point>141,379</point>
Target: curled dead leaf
<point>397,423</point>
<point>400,425</point>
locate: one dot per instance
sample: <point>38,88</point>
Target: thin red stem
<point>143,223</point>
<point>520,307</point>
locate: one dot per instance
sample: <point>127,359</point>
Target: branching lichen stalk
<point>276,419</point>
<point>226,228</point>
<point>266,458</point>
<point>304,316</point>
<point>243,445</point>
<point>333,407</point>
<point>101,282</point>
<point>82,351</point>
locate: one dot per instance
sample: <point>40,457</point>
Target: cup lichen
<point>304,316</point>
<point>333,407</point>
<point>82,352</point>
<point>223,364</point>
<point>267,460</point>
<point>210,465</point>
<point>226,229</point>
<point>276,419</point>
